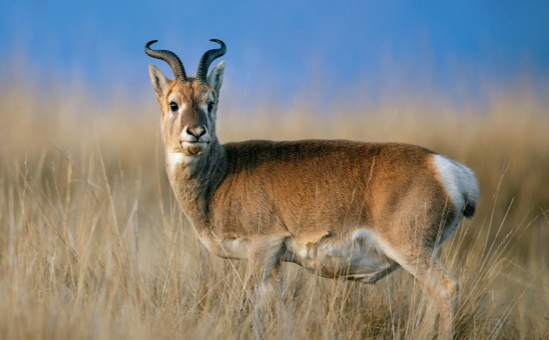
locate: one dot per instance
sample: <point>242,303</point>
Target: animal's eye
<point>210,106</point>
<point>174,107</point>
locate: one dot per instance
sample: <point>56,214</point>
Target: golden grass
<point>94,246</point>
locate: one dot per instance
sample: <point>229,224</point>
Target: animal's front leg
<point>263,259</point>
<point>263,266</point>
<point>278,277</point>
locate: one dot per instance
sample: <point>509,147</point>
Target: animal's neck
<point>194,182</point>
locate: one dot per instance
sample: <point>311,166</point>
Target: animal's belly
<point>358,257</point>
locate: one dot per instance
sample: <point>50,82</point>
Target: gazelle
<point>337,208</point>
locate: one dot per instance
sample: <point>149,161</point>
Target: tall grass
<point>94,246</point>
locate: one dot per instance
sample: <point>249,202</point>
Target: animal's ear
<point>215,78</point>
<point>159,81</point>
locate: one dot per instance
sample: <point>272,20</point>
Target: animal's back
<point>315,185</point>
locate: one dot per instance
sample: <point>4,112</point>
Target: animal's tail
<point>470,192</point>
<point>469,209</point>
<point>460,183</point>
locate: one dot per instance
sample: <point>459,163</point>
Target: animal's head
<point>188,104</point>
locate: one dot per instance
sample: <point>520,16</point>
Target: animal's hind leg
<point>373,278</point>
<point>434,280</point>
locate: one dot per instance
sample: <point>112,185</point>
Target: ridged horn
<point>207,59</point>
<point>171,58</point>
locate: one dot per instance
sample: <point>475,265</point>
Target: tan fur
<point>310,201</point>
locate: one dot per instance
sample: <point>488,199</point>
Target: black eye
<point>210,106</point>
<point>174,107</point>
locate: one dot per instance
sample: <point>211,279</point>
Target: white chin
<point>180,159</point>
<point>201,145</point>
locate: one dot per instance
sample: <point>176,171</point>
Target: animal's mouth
<point>194,148</point>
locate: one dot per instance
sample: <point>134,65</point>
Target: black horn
<point>207,59</point>
<point>171,58</point>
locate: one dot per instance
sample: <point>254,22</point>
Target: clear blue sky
<point>286,48</point>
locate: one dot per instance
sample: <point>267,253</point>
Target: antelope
<point>338,208</point>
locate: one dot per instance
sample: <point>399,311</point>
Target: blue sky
<point>284,49</point>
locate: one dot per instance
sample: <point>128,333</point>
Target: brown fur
<point>297,188</point>
<point>252,200</point>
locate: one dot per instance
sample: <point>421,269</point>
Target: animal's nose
<point>196,130</point>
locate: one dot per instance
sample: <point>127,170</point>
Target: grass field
<point>94,246</point>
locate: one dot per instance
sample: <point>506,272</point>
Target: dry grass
<point>94,246</point>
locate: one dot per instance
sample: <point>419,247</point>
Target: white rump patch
<point>459,181</point>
